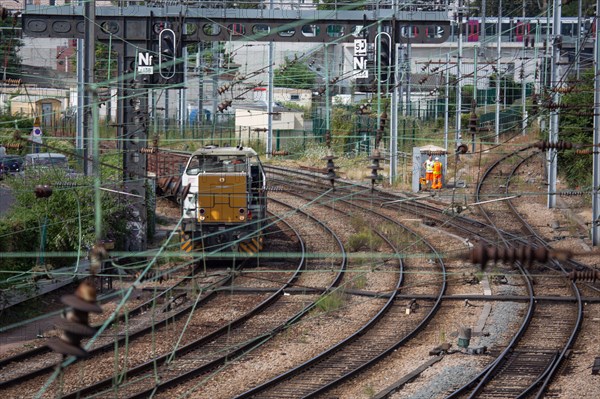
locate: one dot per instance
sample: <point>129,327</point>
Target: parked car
<point>10,165</point>
<point>48,160</point>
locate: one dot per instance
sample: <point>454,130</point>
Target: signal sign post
<point>36,138</point>
<point>145,66</point>
<point>360,58</point>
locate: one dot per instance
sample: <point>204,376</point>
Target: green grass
<point>331,302</point>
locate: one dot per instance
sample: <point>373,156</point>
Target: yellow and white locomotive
<point>224,203</point>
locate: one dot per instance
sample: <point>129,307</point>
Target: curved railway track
<point>205,355</point>
<point>545,365</point>
<point>378,337</point>
<point>548,330</point>
<point>524,368</point>
<point>130,333</point>
<point>41,360</point>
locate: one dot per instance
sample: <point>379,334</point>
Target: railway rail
<point>210,352</point>
<point>503,376</point>
<point>378,337</point>
<point>551,363</point>
<point>41,360</point>
<point>529,362</point>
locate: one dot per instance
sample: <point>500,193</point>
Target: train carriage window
<point>236,29</point>
<point>568,29</point>
<point>490,28</point>
<point>506,29</point>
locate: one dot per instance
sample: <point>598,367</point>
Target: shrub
<point>364,239</point>
<point>332,301</point>
<point>52,224</point>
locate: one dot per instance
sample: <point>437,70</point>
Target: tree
<point>52,224</point>
<point>10,43</point>
<point>576,125</point>
<point>294,74</point>
<point>532,8</point>
<point>510,90</point>
<point>106,64</point>
<point>333,4</point>
<point>512,8</point>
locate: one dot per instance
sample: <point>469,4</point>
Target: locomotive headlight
<point>242,217</point>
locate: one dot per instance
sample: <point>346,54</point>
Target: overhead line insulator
<point>75,325</point>
<point>559,145</point>
<point>482,255</point>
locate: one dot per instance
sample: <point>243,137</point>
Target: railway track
<point>548,330</point>
<point>339,364</point>
<point>207,354</point>
<point>545,311</point>
<point>39,361</point>
<point>131,333</point>
<point>378,337</point>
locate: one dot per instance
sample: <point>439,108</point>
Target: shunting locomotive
<point>225,202</point>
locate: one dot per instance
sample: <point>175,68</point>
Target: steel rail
<point>258,340</point>
<point>329,354</point>
<point>491,370</point>
<point>138,310</point>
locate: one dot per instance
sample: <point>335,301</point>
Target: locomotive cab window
<point>204,164</point>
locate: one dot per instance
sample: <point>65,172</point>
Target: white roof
<point>44,155</point>
<point>433,148</point>
<point>210,150</point>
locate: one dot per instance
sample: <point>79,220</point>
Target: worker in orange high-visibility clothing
<point>437,174</point>
<point>428,165</point>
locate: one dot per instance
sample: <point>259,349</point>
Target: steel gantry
<point>134,34</point>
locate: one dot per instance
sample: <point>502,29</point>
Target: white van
<point>46,159</point>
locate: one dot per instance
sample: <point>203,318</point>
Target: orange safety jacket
<point>437,168</point>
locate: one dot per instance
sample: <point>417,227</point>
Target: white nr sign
<point>360,58</point>
<point>145,64</point>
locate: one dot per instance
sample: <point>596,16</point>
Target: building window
<point>52,2</point>
<point>277,116</point>
<point>295,97</point>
